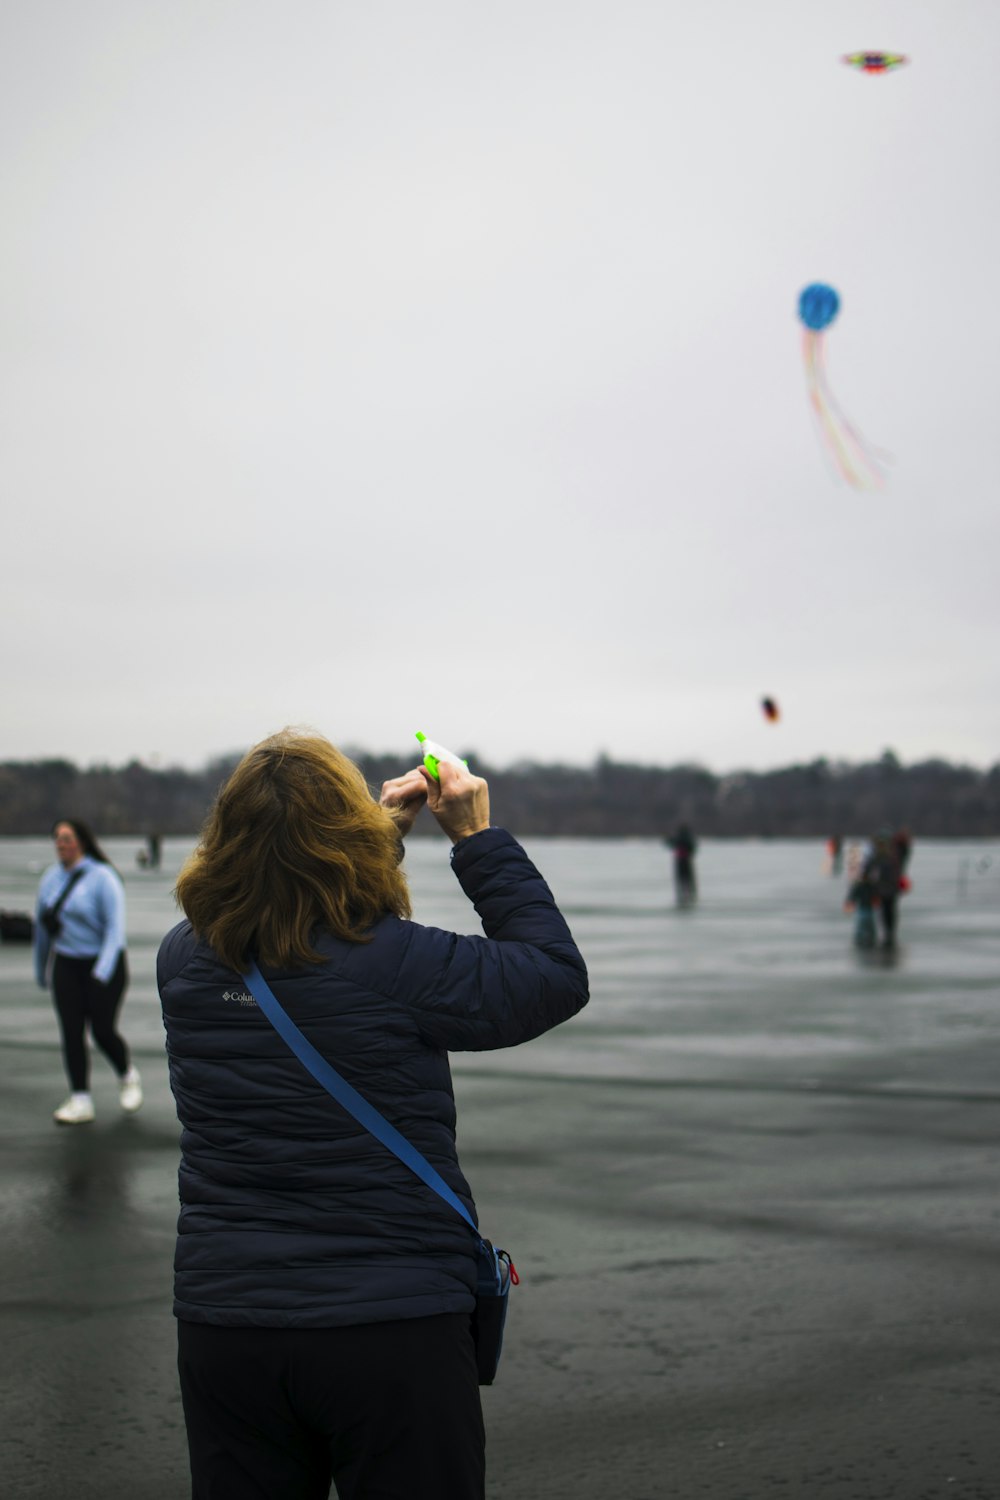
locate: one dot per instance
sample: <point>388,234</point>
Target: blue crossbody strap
<point>366,1114</point>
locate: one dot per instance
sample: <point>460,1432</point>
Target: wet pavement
<point>757,1223</point>
<point>88,1387</point>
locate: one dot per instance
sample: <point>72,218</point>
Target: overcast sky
<point>433,364</point>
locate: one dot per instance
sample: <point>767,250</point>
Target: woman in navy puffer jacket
<point>323,1292</point>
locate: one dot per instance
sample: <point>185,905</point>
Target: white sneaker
<point>78,1110</point>
<point>131,1092</point>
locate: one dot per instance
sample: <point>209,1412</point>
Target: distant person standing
<point>835,850</point>
<point>80,952</point>
<point>149,858</point>
<point>882,872</point>
<point>685,845</point>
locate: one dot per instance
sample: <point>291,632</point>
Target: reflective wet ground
<point>752,1193</point>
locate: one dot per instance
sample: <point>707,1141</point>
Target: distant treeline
<point>607,799</point>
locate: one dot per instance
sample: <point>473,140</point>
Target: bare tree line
<point>608,799</point>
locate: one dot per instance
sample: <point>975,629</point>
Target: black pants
<point>386,1411</point>
<point>79,998</point>
<point>887,908</point>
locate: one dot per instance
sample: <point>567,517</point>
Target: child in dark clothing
<point>861,900</point>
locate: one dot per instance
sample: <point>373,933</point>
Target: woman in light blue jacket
<point>80,952</point>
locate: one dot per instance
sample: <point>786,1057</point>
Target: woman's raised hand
<point>403,798</point>
<point>459,801</point>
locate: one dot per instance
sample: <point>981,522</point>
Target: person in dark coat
<point>685,845</point>
<point>323,1293</point>
<point>902,841</point>
<point>882,873</point>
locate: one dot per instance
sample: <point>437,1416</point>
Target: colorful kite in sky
<point>771,711</point>
<point>854,460</point>
<point>874,62</point>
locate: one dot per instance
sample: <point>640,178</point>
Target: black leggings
<point>386,1411</point>
<point>80,998</point>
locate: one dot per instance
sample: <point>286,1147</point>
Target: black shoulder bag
<point>49,915</point>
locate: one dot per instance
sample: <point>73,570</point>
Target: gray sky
<point>388,366</point>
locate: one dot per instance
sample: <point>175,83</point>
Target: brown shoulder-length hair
<point>295,842</point>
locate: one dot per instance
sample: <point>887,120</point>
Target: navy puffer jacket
<point>292,1215</point>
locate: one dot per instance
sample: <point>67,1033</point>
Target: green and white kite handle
<point>434,754</point>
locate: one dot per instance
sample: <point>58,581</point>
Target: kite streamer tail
<point>860,465</point>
